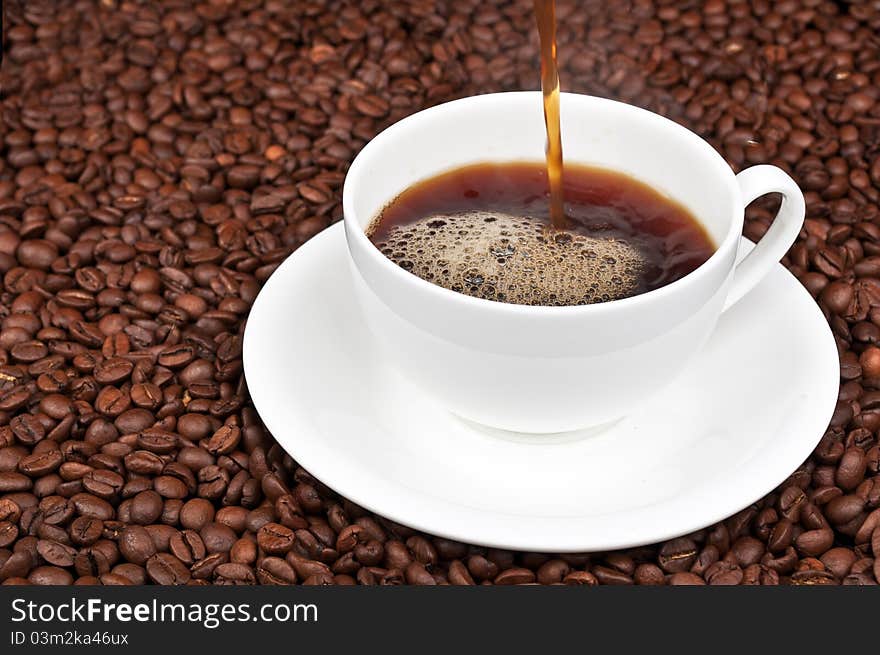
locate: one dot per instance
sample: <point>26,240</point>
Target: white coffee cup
<point>555,369</point>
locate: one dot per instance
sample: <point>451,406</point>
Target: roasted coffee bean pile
<point>159,160</point>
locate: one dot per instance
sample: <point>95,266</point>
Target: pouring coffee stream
<point>545,14</point>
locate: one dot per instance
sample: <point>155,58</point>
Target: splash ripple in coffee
<point>484,230</point>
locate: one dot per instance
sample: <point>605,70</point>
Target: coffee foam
<point>513,259</point>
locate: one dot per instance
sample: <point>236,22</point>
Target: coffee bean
<point>815,542</point>
<point>91,561</point>
<point>580,578</point>
<point>146,395</point>
<point>146,507</point>
<point>274,570</point>
<point>259,517</point>
<point>40,464</point>
<point>169,486</point>
<point>112,579</point>
<point>165,569</point>
<point>781,536</point>
<point>621,562</point>
<point>55,553</point>
<point>243,177</point>
<point>176,356</point>
<point>458,574</point>
<point>11,481</point>
<point>812,577</point>
<point>37,253</point>
<point>136,545</point>
<point>424,551</point>
<point>416,574</point>
<point>758,574</point>
<point>204,568</point>
<point>103,483</point>
<point>306,567</point>
<point>677,555</point>
<point>349,537</point>
<point>9,510</point>
<point>29,351</point>
<point>790,502</point>
<point>306,497</point>
<point>212,482</point>
<point>27,429</point>
<point>187,546</point>
<point>86,530</point>
<point>112,401</point>
<point>747,551</point>
<point>397,556</point>
<point>685,578</point>
<point>553,571</point>
<point>13,398</point>
<point>371,106</point>
<point>851,469</point>
<point>648,574</point>
<point>224,440</point>
<point>275,538</point>
<point>136,575</point>
<point>842,509</point>
<point>839,561</point>
<point>244,551</point>
<point>113,370</point>
<point>234,518</point>
<point>837,296</point>
<point>158,441</point>
<point>50,575</point>
<point>724,573</point>
<point>196,513</point>
<point>8,533</point>
<point>859,579</point>
<point>218,538</point>
<point>17,565</point>
<point>863,535</point>
<point>609,576</point>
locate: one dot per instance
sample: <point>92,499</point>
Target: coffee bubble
<point>514,259</point>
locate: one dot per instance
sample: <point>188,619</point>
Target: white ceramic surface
<point>743,415</point>
<point>551,369</point>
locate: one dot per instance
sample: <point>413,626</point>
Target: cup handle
<point>753,183</point>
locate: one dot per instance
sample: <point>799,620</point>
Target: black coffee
<point>484,230</point>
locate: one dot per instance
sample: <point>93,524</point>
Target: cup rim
<point>356,235</point>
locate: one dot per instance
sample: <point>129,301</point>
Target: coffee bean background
<point>159,160</point>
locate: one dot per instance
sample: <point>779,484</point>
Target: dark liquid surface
<point>484,230</point>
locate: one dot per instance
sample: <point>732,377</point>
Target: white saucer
<point>732,427</point>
